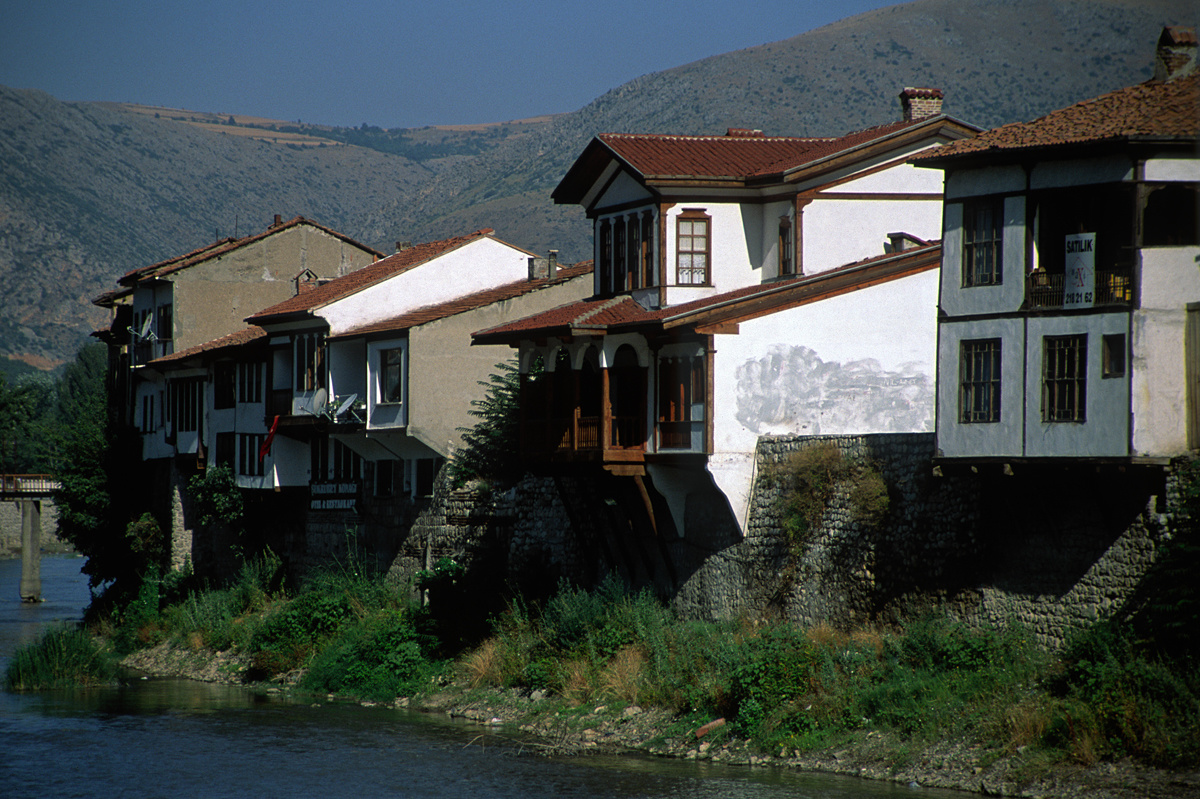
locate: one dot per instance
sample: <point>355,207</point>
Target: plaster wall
<point>959,300</point>
<point>1169,282</point>
<point>838,232</point>
<point>481,264</point>
<point>212,298</point>
<point>445,370</point>
<point>1002,438</point>
<point>1106,429</point>
<point>857,363</point>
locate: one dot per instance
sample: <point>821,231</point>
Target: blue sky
<point>391,64</point>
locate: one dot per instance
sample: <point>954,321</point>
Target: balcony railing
<point>681,436</point>
<point>1113,287</point>
<point>628,432</point>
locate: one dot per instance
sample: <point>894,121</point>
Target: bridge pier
<point>31,549</point>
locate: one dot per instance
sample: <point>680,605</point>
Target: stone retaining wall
<point>1052,547</point>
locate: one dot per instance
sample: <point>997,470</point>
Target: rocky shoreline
<point>556,728</point>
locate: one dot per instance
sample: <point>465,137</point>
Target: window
<point>1170,216</point>
<point>681,392</point>
<point>165,324</point>
<point>385,478</point>
<point>979,393</point>
<point>225,450</point>
<point>649,272</point>
<point>1064,378</point>
<point>426,475</point>
<point>347,464</point>
<point>309,354</point>
<point>982,233</point>
<point>319,452</point>
<point>620,255</point>
<point>634,259</point>
<point>787,247</point>
<point>248,461</point>
<point>187,399</point>
<point>606,257</point>
<point>1113,360</point>
<point>147,414</point>
<point>391,375</point>
<point>250,382</point>
<point>692,247</point>
<point>223,385</point>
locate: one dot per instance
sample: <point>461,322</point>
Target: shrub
<point>64,657</point>
<point>814,475</point>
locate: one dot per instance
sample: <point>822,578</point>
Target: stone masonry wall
<point>1051,547</point>
<point>10,529</point>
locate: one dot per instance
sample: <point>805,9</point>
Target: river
<point>179,738</point>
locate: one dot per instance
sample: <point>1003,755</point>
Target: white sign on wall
<point>1079,286</point>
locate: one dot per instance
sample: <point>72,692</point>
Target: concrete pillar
<point>31,550</point>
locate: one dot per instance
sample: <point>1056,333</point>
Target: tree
<point>490,449</point>
<point>97,504</point>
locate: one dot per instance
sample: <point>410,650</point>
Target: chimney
<point>901,241</point>
<point>278,221</point>
<point>401,246</point>
<point>1176,53</point>
<point>544,268</point>
<point>918,103</point>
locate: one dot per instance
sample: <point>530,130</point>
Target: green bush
<point>813,475</point>
<point>378,658</point>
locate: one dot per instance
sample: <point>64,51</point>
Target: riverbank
<point>552,725</point>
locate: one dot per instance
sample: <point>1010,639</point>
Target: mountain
<point>91,190</point>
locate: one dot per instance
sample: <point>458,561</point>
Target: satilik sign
<point>1079,285</point>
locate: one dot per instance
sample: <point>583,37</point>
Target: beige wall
<point>212,298</point>
<point>444,370</point>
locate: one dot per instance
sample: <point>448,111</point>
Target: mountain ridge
<point>91,190</point>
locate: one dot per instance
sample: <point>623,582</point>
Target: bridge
<point>29,491</point>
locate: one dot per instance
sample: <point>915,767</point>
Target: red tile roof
<point>227,245</point>
<point>237,338</point>
<point>1155,110</point>
<point>739,156</point>
<point>622,312</point>
<point>377,272</point>
<point>468,302</point>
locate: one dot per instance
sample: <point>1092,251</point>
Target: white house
<point>744,285</point>
<point>1069,311</point>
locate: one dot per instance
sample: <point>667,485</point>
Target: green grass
<point>64,657</point>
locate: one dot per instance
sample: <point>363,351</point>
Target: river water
<point>178,738</point>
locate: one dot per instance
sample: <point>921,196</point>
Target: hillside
<point>91,190</point>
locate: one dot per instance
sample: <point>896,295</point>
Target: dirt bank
<point>557,727</point>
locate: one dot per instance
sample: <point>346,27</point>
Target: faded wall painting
<point>791,390</point>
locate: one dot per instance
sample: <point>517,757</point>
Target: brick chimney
<point>918,103</point>
<point>278,221</point>
<point>1176,53</point>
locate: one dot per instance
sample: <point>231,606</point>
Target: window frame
<point>250,381</point>
<point>690,217</point>
<point>1114,355</point>
<point>980,383</point>
<point>224,385</point>
<point>989,242</point>
<point>787,246</point>
<point>1064,378</point>
<point>249,464</point>
<point>384,369</point>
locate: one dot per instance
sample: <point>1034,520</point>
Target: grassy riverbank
<point>781,691</point>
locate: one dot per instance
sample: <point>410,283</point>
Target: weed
<point>63,657</point>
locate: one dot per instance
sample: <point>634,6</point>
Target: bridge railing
<point>24,485</point>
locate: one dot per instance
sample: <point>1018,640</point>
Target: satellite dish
<point>345,405</point>
<point>317,404</point>
<point>145,326</point>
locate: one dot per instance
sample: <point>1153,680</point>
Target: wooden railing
<point>18,485</point>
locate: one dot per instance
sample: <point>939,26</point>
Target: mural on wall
<point>790,390</point>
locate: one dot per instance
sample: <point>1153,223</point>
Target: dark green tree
<point>97,501</point>
<point>490,448</point>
